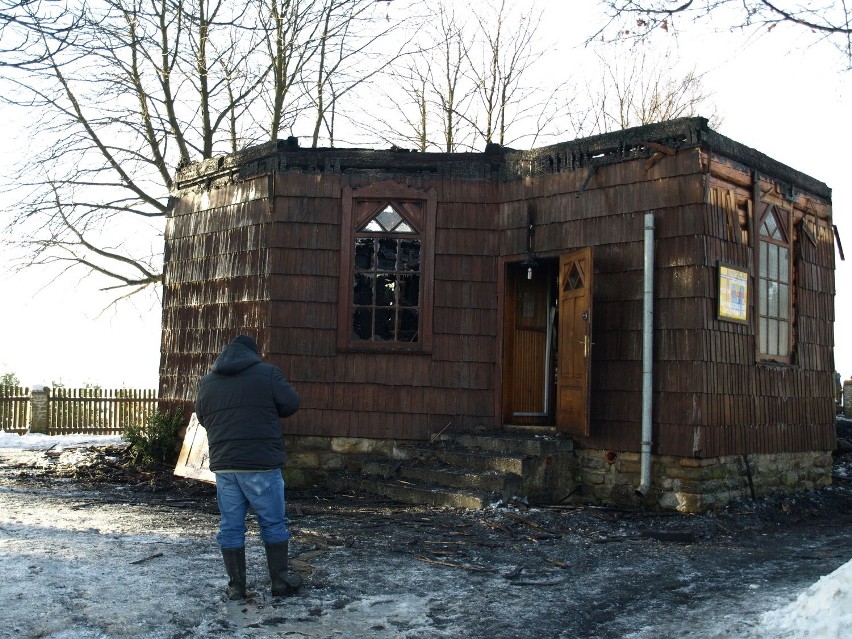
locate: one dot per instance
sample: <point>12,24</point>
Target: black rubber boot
<point>235,565</point>
<point>283,583</point>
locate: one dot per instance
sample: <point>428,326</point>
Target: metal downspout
<point>647,356</point>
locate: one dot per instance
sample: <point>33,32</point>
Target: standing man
<point>240,403</point>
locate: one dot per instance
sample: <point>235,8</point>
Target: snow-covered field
<point>78,563</point>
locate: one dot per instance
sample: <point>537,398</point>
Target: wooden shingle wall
<point>304,251</point>
<point>465,306</point>
<point>404,395</point>
<point>712,395</point>
<point>215,283</point>
<point>747,405</point>
<point>607,212</point>
<point>259,251</point>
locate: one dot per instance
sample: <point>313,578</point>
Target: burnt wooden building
<point>410,294</point>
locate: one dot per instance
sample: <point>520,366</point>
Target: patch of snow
<point>823,611</point>
<point>37,441</point>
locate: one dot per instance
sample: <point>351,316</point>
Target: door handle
<point>587,345</point>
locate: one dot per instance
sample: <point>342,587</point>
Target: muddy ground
<point>93,547</point>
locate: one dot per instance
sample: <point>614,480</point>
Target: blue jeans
<point>264,492</point>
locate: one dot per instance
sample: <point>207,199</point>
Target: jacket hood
<point>236,357</point>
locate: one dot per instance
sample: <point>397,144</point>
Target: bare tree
<point>348,56</point>
<point>137,93</point>
<point>144,87</point>
<point>472,85</point>
<point>430,89</point>
<point>20,21</point>
<point>453,96</point>
<point>636,86</point>
<point>829,21</point>
<point>505,55</point>
<point>292,29</point>
<point>410,102</point>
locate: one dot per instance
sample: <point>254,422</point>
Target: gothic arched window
<point>775,290</point>
<point>386,258</point>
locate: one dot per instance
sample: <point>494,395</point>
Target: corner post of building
<point>39,405</point>
<point>847,398</point>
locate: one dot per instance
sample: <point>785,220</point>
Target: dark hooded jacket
<point>240,403</point>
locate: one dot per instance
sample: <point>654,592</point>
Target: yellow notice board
<point>733,293</point>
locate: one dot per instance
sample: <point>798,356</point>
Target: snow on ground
<point>35,441</point>
<point>36,444</point>
<point>823,610</point>
<point>75,567</point>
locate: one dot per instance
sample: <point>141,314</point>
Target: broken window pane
<point>384,324</point>
<point>409,290</point>
<point>362,294</point>
<point>386,283</point>
<point>362,323</point>
<point>408,325</point>
<point>409,255</point>
<point>772,299</point>
<point>385,290</point>
<point>364,253</point>
<point>386,258</point>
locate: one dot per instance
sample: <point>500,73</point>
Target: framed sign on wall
<point>733,293</point>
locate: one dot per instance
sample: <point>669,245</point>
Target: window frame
<point>359,206</point>
<point>783,216</point>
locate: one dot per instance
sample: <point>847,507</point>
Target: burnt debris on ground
<point>96,468</point>
<point>389,570</point>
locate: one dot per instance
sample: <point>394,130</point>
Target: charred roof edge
<point>496,162</point>
<point>636,142</point>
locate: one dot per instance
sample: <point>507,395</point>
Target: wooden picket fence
<point>14,409</point>
<point>89,411</point>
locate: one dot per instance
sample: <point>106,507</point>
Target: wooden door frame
<point>510,274</point>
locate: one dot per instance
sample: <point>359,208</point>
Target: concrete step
<point>452,454</point>
<point>489,481</point>
<point>512,444</point>
<point>417,494</point>
<point>464,470</point>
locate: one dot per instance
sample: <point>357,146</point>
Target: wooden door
<point>530,343</point>
<point>575,342</point>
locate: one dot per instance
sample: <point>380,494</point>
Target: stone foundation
<point>697,485</point>
<point>311,459</point>
<point>684,484</point>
